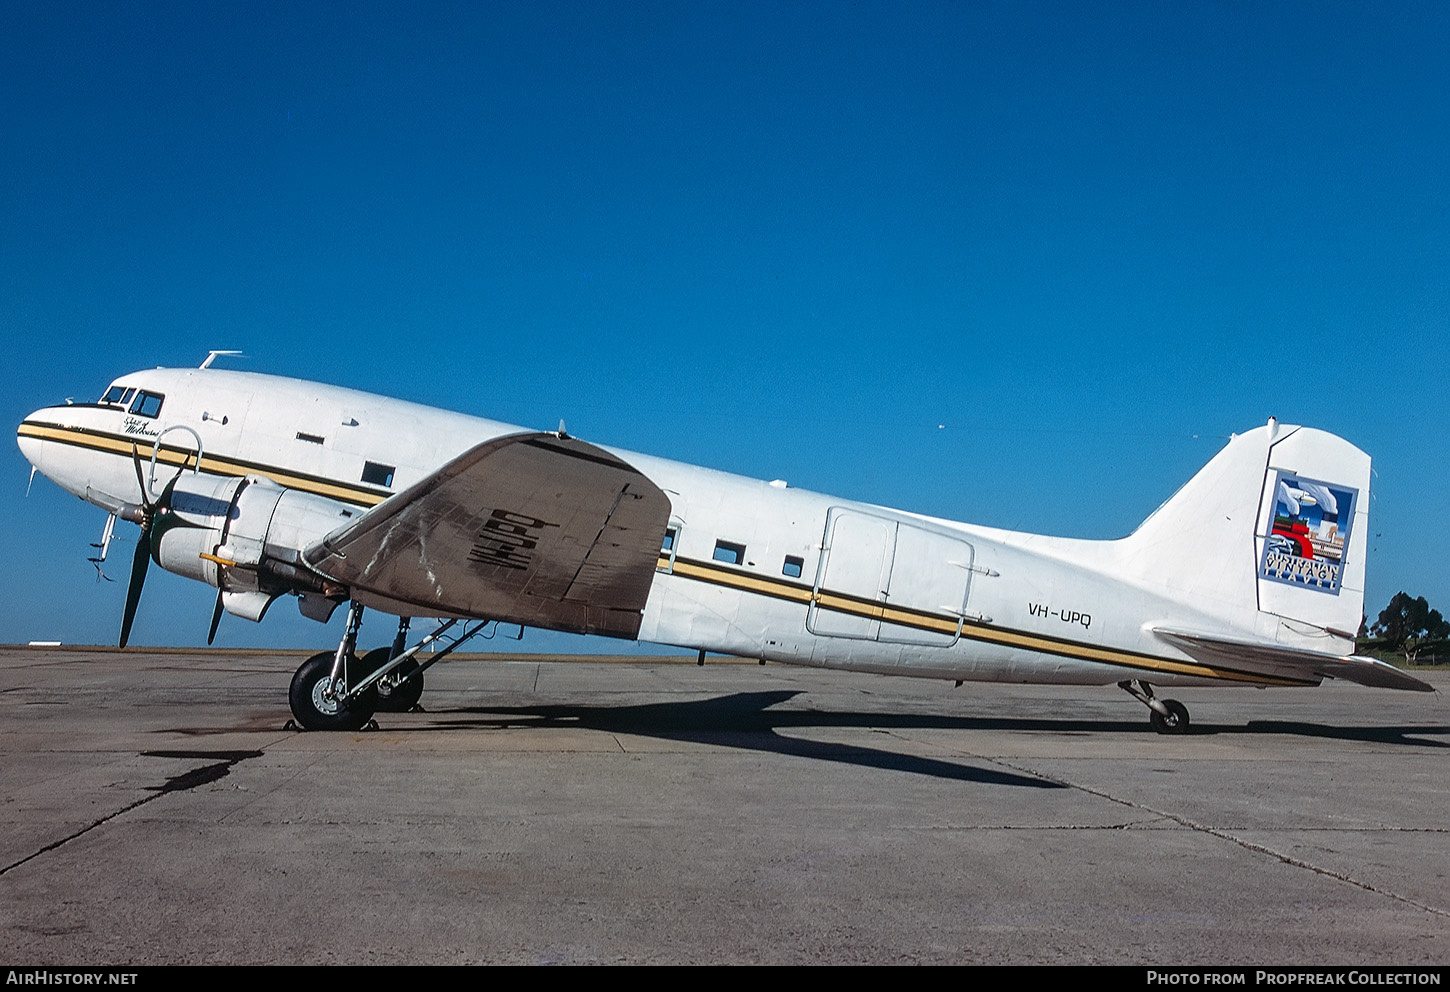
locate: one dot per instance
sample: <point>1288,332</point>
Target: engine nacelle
<point>245,536</point>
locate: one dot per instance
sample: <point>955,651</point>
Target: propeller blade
<point>140,478</point>
<point>216,618</point>
<point>140,561</point>
<point>151,513</point>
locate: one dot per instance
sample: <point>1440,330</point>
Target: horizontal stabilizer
<point>1281,662</point>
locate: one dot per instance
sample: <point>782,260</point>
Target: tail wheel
<point>1176,722</point>
<point>394,694</point>
<point>315,709</point>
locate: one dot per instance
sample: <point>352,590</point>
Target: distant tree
<point>1407,625</point>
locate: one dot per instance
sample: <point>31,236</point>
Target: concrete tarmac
<point>156,811</point>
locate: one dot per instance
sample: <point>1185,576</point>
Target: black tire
<point>1175,723</point>
<point>313,712</point>
<point>394,698</point>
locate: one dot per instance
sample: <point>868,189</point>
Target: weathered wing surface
<point>1282,662</point>
<point>534,529</point>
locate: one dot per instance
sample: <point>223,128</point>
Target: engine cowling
<point>245,536</point>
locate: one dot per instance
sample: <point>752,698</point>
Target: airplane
<point>262,486</point>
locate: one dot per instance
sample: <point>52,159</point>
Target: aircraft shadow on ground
<point>748,720</point>
<point>1410,735</point>
<point>740,720</point>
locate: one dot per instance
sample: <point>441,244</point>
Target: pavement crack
<point>177,783</point>
<point>1247,845</point>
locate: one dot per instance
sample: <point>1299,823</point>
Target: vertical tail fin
<point>1272,534</point>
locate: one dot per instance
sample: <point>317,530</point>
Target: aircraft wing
<point>1281,662</point>
<point>535,529</point>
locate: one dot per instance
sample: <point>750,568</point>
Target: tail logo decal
<point>1308,534</point>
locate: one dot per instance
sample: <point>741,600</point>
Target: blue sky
<point>785,240</point>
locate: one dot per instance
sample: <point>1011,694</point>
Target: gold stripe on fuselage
<point>94,440</point>
<point>968,629</point>
<point>700,571</point>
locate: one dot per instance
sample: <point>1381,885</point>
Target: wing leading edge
<point>535,529</point>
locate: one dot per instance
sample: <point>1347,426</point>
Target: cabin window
<point>668,544</point>
<point>793,566</point>
<point>147,404</point>
<point>114,395</point>
<point>377,475</point>
<point>730,554</point>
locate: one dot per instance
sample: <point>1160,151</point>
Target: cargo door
<point>927,594</point>
<point>854,575</point>
<point>888,580</point>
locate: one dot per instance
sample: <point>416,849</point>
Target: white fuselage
<point>750,568</point>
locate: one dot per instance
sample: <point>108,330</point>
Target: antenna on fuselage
<point>211,356</point>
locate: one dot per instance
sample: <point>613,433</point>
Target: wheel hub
<point>323,699</point>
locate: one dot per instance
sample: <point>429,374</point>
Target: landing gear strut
<point>1168,716</point>
<point>336,690</point>
<point>319,694</point>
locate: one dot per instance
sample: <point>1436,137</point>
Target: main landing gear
<point>336,690</point>
<point>400,689</point>
<point>318,701</point>
<point>1168,716</point>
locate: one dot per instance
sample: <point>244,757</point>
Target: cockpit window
<point>119,395</point>
<point>147,404</point>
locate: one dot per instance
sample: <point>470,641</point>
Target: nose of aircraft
<point>41,438</point>
<point>29,436</point>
